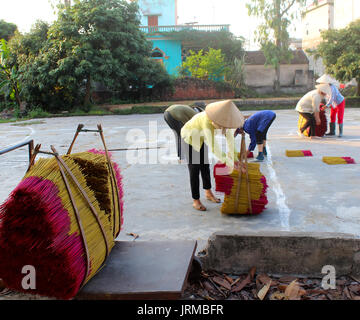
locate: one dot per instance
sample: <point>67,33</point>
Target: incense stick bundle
<point>61,219</point>
<point>299,153</point>
<point>228,184</point>
<point>338,160</point>
<point>320,130</point>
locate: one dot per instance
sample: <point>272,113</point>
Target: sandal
<point>213,199</point>
<point>199,207</point>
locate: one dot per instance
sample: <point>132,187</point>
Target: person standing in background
<point>337,104</point>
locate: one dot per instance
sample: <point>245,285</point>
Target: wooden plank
<point>143,270</point>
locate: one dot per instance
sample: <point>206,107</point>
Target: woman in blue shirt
<point>257,127</point>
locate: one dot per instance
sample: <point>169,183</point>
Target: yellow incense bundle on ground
<point>64,227</point>
<point>298,153</point>
<point>338,160</point>
<point>229,185</point>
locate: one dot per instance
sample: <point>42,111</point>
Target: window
<point>153,21</point>
<point>157,54</point>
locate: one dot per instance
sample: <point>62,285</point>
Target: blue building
<point>159,17</point>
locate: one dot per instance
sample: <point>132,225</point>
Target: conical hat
<point>225,114</point>
<point>326,79</point>
<point>324,88</point>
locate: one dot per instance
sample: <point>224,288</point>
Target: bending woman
<point>309,108</point>
<point>198,134</point>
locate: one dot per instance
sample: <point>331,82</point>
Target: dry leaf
<point>209,287</point>
<point>347,293</point>
<point>2,284</point>
<point>222,282</point>
<point>282,287</point>
<point>252,273</point>
<point>228,279</point>
<point>236,281</point>
<point>355,297</point>
<point>262,293</point>
<point>292,291</point>
<point>242,284</point>
<point>355,288</point>
<point>133,235</point>
<point>278,296</point>
<point>263,278</point>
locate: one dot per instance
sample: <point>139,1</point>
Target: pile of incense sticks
<point>241,197</point>
<point>338,160</point>
<point>299,153</point>
<point>320,130</point>
<point>64,230</point>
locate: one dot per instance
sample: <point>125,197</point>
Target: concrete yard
<point>305,194</point>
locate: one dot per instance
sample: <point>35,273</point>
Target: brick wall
<point>193,89</point>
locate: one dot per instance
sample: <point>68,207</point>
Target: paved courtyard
<point>304,194</point>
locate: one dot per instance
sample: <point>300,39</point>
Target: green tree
<point>209,65</point>
<point>7,30</point>
<point>340,51</point>
<point>272,33</point>
<point>91,41</point>
<point>9,85</point>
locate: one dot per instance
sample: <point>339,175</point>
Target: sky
<point>24,13</point>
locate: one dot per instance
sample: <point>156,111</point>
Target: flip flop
<point>213,199</point>
<point>199,207</point>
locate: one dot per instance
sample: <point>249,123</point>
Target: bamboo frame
<point>114,187</point>
<point>243,161</point>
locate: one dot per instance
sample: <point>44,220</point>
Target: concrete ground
<point>305,194</point>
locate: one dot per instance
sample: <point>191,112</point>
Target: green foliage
<point>7,30</point>
<point>93,41</point>
<point>272,34</point>
<point>209,65</point>
<point>9,85</point>
<point>236,75</point>
<point>230,46</point>
<point>340,51</point>
<point>38,113</point>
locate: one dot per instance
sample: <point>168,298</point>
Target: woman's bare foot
<point>210,196</point>
<point>198,205</point>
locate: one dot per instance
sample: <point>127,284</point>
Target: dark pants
<point>310,122</point>
<point>176,126</point>
<point>261,136</point>
<point>198,163</point>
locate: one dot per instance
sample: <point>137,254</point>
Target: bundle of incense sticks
<point>61,219</point>
<point>299,153</point>
<point>245,192</point>
<point>320,130</point>
<point>338,160</point>
<point>229,184</point>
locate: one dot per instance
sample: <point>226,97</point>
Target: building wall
<point>316,20</point>
<point>165,9</point>
<point>264,76</point>
<point>172,51</point>
<point>345,11</point>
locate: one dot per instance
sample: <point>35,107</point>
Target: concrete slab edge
<point>282,253</point>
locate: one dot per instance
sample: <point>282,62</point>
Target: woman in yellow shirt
<point>198,134</point>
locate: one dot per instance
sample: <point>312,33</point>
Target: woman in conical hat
<point>337,103</point>
<point>198,134</point>
<point>309,108</point>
